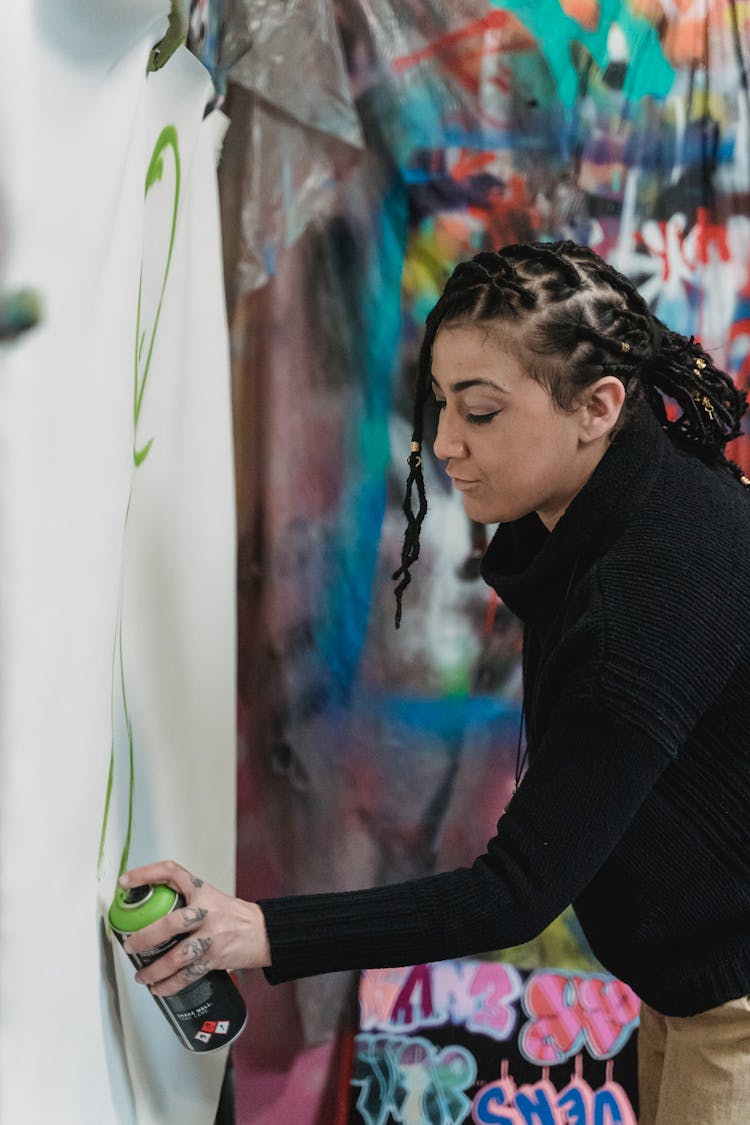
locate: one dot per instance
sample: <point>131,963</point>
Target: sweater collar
<point>531,568</point>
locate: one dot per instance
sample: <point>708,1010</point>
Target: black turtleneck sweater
<point>636,803</point>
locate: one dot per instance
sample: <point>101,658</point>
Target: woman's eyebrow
<point>464,384</point>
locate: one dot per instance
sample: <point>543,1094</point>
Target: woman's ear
<point>600,407</point>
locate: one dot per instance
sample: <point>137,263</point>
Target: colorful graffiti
<point>566,1012</point>
<point>569,1011</point>
<point>411,1081</point>
<point>478,994</point>
<point>546,1020</point>
<point>502,1103</point>
<point>634,112</point>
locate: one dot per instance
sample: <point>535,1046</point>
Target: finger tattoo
<point>192,915</point>
<point>197,947</point>
<point>196,881</point>
<point>195,970</point>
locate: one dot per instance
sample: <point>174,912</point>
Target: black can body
<point>206,1015</point>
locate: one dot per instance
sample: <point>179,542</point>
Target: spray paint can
<point>207,1014</point>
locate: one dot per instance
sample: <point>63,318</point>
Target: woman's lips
<point>464,485</point>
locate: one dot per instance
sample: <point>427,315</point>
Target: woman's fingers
<point>180,920</point>
<point>186,963</point>
<point>167,871</point>
<point>184,920</point>
<point>195,950</point>
<point>196,953</point>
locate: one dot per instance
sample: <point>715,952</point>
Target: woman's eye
<point>481,419</point>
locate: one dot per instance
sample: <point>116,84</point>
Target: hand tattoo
<point>196,881</point>
<point>195,970</point>
<point>194,949</point>
<point>192,915</point>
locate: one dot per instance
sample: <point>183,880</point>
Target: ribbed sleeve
<point>324,933</point>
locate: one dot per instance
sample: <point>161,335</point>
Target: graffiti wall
<point>428,131</point>
<point>481,1042</point>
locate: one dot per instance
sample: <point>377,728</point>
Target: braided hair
<point>572,318</point>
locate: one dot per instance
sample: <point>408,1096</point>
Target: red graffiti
<point>703,236</point>
<point>682,254</point>
<point>413,1005</point>
<point>568,1011</point>
<point>470,162</point>
<point>446,48</point>
<point>462,54</point>
<point>740,332</point>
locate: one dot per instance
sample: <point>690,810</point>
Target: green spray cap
<point>134,908</point>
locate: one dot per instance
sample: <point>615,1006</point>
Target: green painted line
<point>154,173</point>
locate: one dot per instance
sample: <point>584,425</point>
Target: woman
<point>623,544</point>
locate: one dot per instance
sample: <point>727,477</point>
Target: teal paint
<point>649,72</point>
<point>342,623</point>
<point>20,310</point>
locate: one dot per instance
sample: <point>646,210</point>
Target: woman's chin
<point>481,513</point>
<point>490,513</point>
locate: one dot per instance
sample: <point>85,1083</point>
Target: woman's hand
<point>221,932</point>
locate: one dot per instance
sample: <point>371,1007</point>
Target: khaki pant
<point>695,1070</point>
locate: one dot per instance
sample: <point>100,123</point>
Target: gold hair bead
<point>416,446</point>
<point>700,363</point>
<point>705,402</point>
<point>414,460</point>
<point>624,346</point>
<point>745,481</point>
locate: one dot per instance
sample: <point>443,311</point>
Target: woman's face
<point>507,448</point>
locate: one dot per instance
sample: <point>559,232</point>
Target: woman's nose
<point>448,445</point>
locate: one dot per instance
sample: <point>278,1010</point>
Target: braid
<point>712,405</point>
<point>414,521</point>
<point>544,255</point>
<point>572,318</point>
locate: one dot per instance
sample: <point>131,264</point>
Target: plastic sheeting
<point>301,129</point>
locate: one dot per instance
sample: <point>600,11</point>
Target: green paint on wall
<point>167,139</point>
